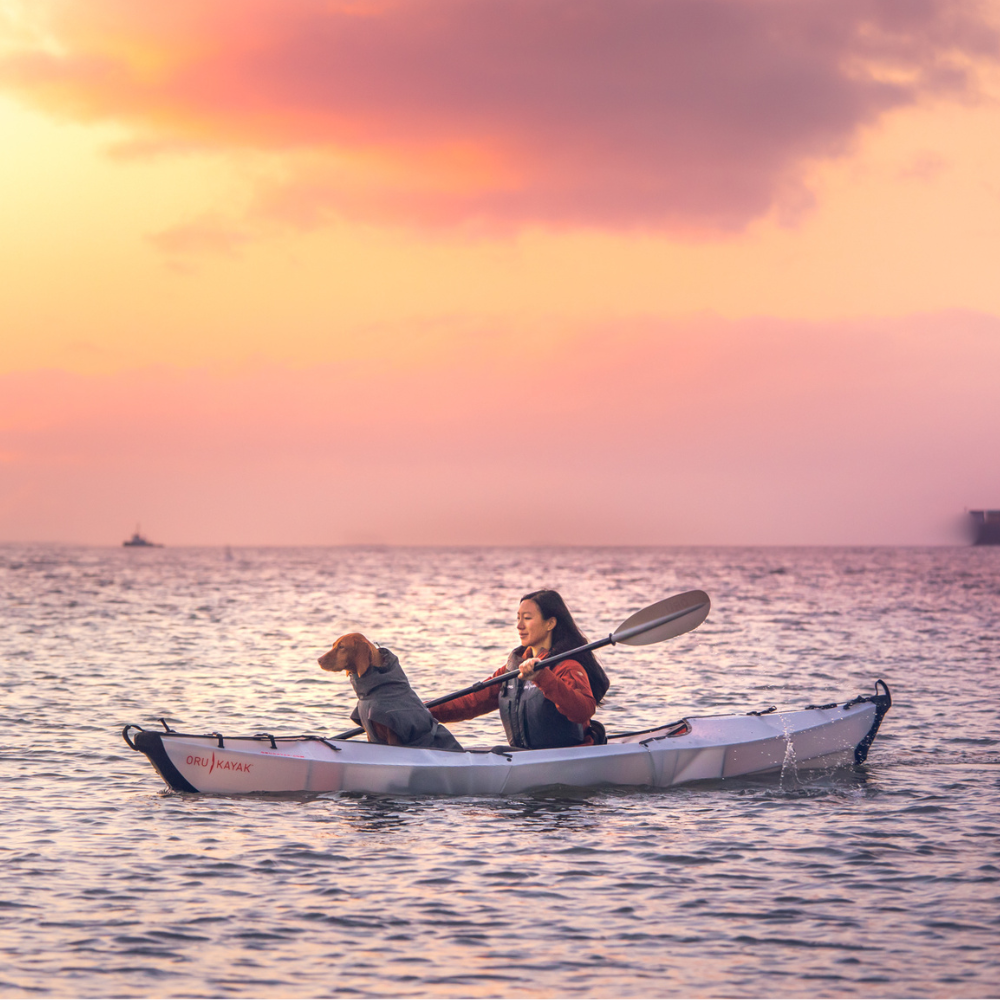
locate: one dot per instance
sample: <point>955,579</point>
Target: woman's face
<point>532,627</point>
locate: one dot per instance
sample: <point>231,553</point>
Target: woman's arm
<point>471,705</point>
<point>567,686</point>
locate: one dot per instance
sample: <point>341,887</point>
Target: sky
<point>518,272</point>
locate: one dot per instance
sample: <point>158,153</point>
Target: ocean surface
<point>880,881</point>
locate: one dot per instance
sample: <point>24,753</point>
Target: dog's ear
<point>361,654</point>
<point>360,650</point>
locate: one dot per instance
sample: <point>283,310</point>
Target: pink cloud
<point>693,114</point>
<point>705,432</point>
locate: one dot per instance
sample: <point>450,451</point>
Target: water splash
<point>789,766</point>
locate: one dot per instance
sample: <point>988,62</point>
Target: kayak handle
<point>125,735</point>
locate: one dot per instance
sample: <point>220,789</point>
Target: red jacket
<point>566,685</point>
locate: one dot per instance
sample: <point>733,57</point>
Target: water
<point>876,882</point>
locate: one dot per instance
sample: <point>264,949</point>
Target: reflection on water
<point>878,881</point>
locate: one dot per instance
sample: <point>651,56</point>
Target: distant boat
<point>138,542</point>
<point>985,527</point>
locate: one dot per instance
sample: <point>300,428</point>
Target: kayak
<point>697,748</point>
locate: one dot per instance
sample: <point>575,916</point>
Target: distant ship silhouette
<point>138,542</point>
<point>985,527</point>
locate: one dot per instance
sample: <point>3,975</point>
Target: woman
<point>543,706</point>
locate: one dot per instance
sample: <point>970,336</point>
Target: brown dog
<point>351,653</point>
<point>388,709</point>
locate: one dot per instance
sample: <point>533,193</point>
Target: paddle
<point>660,621</point>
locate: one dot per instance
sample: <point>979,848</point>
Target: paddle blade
<point>695,602</point>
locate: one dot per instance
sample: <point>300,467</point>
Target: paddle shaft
<point>549,661</point>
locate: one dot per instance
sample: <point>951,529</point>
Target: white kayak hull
<point>695,749</point>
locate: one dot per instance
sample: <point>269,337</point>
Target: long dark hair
<point>567,635</point>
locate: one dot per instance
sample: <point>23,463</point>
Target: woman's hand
<point>529,668</point>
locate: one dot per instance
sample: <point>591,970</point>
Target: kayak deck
<point>696,748</point>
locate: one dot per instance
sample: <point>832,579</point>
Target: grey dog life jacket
<point>529,719</point>
<point>385,696</point>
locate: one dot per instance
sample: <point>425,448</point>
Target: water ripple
<point>869,883</point>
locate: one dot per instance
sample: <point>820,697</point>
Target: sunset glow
<point>477,272</point>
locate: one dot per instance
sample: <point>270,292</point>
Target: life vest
<point>529,719</point>
<point>385,696</point>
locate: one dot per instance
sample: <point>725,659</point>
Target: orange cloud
<point>210,234</point>
<point>694,114</point>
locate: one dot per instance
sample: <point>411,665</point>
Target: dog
<point>388,709</point>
